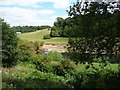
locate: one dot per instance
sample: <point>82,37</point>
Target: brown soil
<point>53,47</point>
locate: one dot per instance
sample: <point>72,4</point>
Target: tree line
<point>25,29</point>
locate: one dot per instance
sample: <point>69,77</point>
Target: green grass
<point>81,67</point>
<point>57,40</point>
<point>38,36</point>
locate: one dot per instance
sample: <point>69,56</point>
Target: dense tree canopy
<point>25,29</point>
<point>62,27</point>
<point>96,29</point>
<point>9,44</point>
<point>57,29</point>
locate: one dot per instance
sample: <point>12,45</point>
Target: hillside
<point>38,36</point>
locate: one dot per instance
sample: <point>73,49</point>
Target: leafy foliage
<point>95,30</point>
<point>33,46</point>
<point>61,27</point>
<point>9,44</point>
<point>65,67</point>
<point>43,62</point>
<point>94,33</point>
<point>47,37</point>
<point>32,79</point>
<point>55,56</point>
<point>25,29</point>
<point>29,77</point>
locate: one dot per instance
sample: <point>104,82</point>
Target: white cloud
<point>18,2</point>
<point>44,12</point>
<point>20,16</point>
<point>61,3</point>
<point>56,3</point>
<point>15,12</point>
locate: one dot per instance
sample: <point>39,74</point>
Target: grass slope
<point>38,36</point>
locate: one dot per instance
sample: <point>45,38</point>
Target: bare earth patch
<point>55,47</point>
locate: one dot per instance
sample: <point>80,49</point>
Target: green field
<point>38,36</point>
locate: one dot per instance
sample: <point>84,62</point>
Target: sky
<point>33,12</point>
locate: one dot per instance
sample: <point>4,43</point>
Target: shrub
<point>104,79</point>
<point>32,79</point>
<point>41,62</point>
<point>25,45</point>
<point>65,67</point>
<point>47,37</point>
<point>45,62</point>
<point>55,56</point>
<point>37,46</point>
<point>24,56</point>
<point>111,79</point>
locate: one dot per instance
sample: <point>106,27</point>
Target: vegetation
<point>34,36</point>
<point>9,45</point>
<point>60,75</point>
<point>92,60</point>
<point>47,37</point>
<point>39,36</point>
<point>96,31</point>
<point>62,28</point>
<point>57,29</point>
<point>25,29</point>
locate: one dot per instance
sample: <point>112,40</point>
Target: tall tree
<point>96,29</point>
<point>9,44</point>
<point>57,29</point>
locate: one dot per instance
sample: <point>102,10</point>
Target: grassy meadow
<point>38,36</point>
